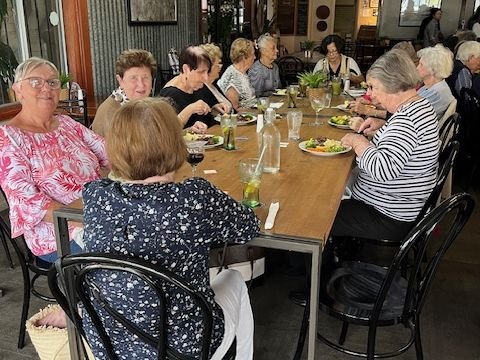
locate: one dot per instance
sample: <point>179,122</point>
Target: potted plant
<point>64,85</point>
<point>313,82</point>
<point>308,46</point>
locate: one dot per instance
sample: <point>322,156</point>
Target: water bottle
<point>270,144</point>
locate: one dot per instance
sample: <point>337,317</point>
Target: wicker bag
<point>50,342</point>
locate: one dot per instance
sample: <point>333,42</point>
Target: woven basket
<point>51,343</point>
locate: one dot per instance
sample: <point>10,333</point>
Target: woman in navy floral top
<point>144,213</point>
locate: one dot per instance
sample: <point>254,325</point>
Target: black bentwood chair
<point>31,265</point>
<point>372,296</point>
<point>80,270</point>
<point>289,67</point>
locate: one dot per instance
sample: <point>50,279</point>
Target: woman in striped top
<point>398,168</point>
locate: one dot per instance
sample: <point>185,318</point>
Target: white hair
<point>437,60</point>
<point>468,49</point>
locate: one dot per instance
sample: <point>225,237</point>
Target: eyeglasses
<point>332,52</point>
<point>37,83</point>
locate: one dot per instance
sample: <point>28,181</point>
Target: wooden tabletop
<point>308,187</point>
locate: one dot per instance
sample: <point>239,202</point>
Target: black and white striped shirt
<point>398,171</point>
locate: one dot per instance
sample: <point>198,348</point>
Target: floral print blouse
<point>36,168</point>
<point>173,225</point>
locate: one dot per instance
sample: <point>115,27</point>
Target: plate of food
<point>242,119</point>
<point>280,92</point>
<point>210,141</point>
<point>340,121</point>
<point>344,107</point>
<point>322,146</point>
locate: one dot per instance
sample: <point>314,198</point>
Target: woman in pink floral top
<point>44,158</point>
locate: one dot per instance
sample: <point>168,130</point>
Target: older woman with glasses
<point>46,159</point>
<point>337,64</point>
<point>264,74</point>
<point>135,69</point>
<point>398,167</point>
<point>210,92</point>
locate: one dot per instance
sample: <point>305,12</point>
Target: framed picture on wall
<point>144,12</point>
<point>374,3</point>
<point>413,12</point>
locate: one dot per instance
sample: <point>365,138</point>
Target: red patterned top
<point>36,168</point>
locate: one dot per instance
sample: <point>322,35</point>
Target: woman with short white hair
<point>466,63</point>
<point>434,66</point>
<point>264,74</point>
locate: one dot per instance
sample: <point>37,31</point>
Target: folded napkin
<point>272,213</point>
<point>347,194</point>
<point>276,105</point>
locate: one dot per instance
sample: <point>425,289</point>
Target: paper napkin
<point>259,123</point>
<point>272,213</point>
<point>276,105</point>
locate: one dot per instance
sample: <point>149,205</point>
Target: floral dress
<point>173,225</point>
<point>36,168</point>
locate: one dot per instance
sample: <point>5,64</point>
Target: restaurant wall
<point>110,34</point>
<point>388,21</point>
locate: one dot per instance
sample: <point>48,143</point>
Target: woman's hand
<point>370,126</point>
<point>221,108</point>
<point>358,143</point>
<point>199,127</point>
<point>199,107</point>
<point>355,123</point>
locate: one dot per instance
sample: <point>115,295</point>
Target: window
<point>32,28</point>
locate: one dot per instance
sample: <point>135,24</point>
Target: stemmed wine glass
<point>317,103</point>
<point>196,153</point>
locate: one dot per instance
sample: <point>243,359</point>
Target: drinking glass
<point>318,103</point>
<point>250,172</point>
<point>294,120</point>
<point>196,153</point>
<point>292,92</point>
<point>262,104</point>
<point>228,123</point>
<point>336,85</point>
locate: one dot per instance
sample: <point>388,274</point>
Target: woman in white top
<point>335,63</point>
<point>234,82</point>
<point>435,65</point>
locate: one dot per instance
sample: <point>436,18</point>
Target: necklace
<point>410,99</point>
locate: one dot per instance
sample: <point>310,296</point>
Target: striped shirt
<point>398,171</point>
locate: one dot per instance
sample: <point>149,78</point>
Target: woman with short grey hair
<point>264,74</point>
<point>467,62</point>
<point>398,167</point>
<point>434,66</point>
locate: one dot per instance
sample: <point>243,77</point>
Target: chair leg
<point>7,251</point>
<point>418,340</point>
<point>25,307</point>
<point>303,331</point>
<point>343,334</point>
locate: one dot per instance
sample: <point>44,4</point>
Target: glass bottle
<point>270,144</point>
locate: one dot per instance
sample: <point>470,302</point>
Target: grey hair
<point>31,64</point>
<point>437,60</point>
<point>468,49</point>
<point>263,40</point>
<point>396,71</point>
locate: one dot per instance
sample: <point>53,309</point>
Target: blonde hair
<point>144,140</point>
<point>438,61</point>
<point>240,49</point>
<point>409,49</point>
<point>213,51</point>
<point>31,64</point>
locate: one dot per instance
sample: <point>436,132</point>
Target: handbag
<point>248,260</point>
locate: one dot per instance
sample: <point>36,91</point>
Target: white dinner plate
<point>239,123</point>
<point>319,153</point>
<point>345,127</point>
<point>356,92</point>
<point>204,138</point>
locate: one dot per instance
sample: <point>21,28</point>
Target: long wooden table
<point>308,187</point>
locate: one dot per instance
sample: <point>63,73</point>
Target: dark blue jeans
<point>51,257</point>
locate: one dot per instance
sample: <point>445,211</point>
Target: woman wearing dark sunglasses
<point>45,159</point>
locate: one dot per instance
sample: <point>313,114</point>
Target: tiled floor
<point>450,327</point>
